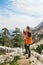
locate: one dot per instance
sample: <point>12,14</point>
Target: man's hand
<point>24,31</point>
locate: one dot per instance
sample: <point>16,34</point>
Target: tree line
<point>11,40</point>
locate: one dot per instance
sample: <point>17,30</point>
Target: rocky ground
<point>34,46</point>
<point>10,53</point>
<point>31,61</point>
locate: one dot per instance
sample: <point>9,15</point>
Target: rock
<point>42,52</point>
<point>35,54</point>
<point>41,58</point>
<point>10,53</point>
<point>38,56</point>
<point>34,61</point>
<point>10,57</point>
<point>20,51</point>
<point>7,58</point>
<point>31,61</point>
<point>2,58</point>
<point>33,46</point>
<point>6,49</point>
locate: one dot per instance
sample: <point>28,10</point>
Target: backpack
<point>29,34</point>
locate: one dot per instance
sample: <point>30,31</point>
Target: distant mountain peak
<point>39,25</point>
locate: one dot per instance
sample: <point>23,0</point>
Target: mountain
<point>39,25</point>
<point>9,31</point>
<point>0,31</point>
<point>37,32</point>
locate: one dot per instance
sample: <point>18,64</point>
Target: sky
<point>20,13</point>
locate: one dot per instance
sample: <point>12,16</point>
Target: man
<point>28,41</point>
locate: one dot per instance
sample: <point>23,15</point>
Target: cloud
<point>20,13</point>
<point>18,21</point>
<point>30,6</point>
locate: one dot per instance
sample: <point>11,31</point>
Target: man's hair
<point>28,27</point>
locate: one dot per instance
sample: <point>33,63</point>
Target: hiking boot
<point>27,57</point>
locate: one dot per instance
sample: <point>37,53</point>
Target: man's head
<point>27,28</point>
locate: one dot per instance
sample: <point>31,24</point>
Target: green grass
<point>39,48</point>
<point>30,61</point>
<point>14,62</point>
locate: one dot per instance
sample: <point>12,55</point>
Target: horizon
<point>20,28</point>
<point>20,13</point>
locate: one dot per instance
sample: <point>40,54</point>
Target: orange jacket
<point>28,39</point>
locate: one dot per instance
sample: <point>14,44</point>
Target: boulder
<point>8,57</point>
<point>38,56</point>
<point>41,58</point>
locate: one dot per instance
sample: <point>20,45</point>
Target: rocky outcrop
<point>31,61</point>
<point>10,53</point>
<point>41,58</point>
<point>38,56</point>
<point>7,57</point>
<point>35,45</point>
<point>42,52</point>
<point>9,50</point>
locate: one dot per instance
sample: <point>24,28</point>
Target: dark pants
<point>27,48</point>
